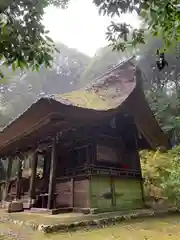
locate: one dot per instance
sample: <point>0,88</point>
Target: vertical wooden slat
<point>9,169</point>
<point>52,175</point>
<point>112,186</point>
<point>139,165</point>
<point>33,176</point>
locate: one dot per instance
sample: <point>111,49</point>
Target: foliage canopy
<point>162,18</point>
<point>24,42</point>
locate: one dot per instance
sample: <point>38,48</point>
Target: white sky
<point>80,26</point>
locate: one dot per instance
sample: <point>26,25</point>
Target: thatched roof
<point>121,86</point>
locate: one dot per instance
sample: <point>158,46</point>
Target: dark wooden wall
<point>64,189</point>
<point>110,144</point>
<point>81,193</point>
<point>72,192</point>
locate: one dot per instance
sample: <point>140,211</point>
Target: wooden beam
<point>33,176</point>
<point>52,174</point>
<point>19,175</point>
<point>44,126</point>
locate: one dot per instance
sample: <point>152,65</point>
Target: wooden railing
<point>100,170</point>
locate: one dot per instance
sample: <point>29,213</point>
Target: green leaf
<point>145,5</point>
<point>14,66</point>
<point>37,67</point>
<point>153,14</point>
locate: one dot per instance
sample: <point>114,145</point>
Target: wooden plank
<point>52,174</point>
<point>101,194</point>
<point>33,176</point>
<point>81,193</point>
<point>64,193</point>
<point>107,154</point>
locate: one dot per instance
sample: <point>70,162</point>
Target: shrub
<point>162,170</point>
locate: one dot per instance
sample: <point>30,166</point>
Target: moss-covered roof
<point>101,99</point>
<point>107,92</point>
<point>85,99</point>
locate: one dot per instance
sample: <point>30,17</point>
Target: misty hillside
<point>21,89</point>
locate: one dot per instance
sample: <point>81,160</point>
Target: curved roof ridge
<point>109,71</point>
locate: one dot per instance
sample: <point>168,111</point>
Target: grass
<point>167,228</point>
<point>41,218</point>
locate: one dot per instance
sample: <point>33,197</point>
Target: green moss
<point>86,99</point>
<point>101,197</point>
<point>127,194</point>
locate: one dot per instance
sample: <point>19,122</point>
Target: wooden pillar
<point>46,170</point>
<point>19,175</point>
<point>72,192</point>
<point>139,166</point>
<point>33,176</point>
<point>112,186</point>
<point>8,176</point>
<point>87,160</point>
<point>52,174</point>
<point>142,190</point>
<point>45,166</point>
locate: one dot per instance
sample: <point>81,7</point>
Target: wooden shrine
<point>62,154</point>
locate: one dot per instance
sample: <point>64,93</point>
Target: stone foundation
<point>91,221</point>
